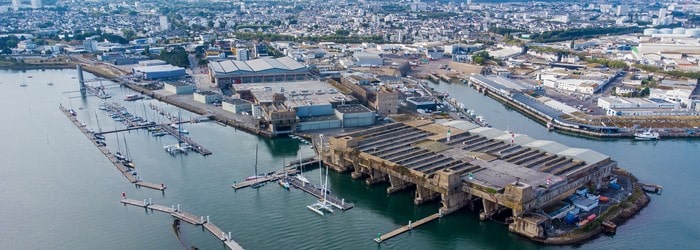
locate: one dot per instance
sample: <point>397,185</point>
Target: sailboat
<point>284,182</point>
<point>259,183</point>
<point>323,204</point>
<point>127,157</point>
<point>180,147</point>
<point>300,177</point>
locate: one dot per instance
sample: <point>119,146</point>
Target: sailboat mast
<point>127,155</point>
<point>119,145</point>
<point>179,133</point>
<point>98,123</point>
<point>325,186</point>
<point>256,160</point>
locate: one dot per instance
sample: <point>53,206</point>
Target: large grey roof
<point>257,65</point>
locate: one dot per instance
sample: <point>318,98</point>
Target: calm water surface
<point>60,192</point>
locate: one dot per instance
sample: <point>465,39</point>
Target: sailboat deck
<point>316,192</point>
<point>196,147</point>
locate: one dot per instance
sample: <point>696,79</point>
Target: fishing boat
<point>647,135</point>
<point>259,181</point>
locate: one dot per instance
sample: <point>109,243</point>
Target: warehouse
<point>284,69</point>
<point>178,88</point>
<point>158,72</point>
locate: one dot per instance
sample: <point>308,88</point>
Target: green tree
<point>645,92</point>
<point>177,56</point>
<point>129,34</point>
<point>342,32</point>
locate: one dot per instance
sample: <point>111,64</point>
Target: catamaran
<point>180,147</point>
<point>323,204</point>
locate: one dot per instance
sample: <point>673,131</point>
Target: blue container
<point>571,219</point>
<point>614,186</point>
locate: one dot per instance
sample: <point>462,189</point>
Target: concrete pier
<point>189,218</point>
<point>406,228</point>
<point>267,178</point>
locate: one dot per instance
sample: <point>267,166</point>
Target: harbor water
<point>60,192</point>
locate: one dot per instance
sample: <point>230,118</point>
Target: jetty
<point>264,179</point>
<point>318,193</point>
<point>186,217</point>
<point>125,171</point>
<point>195,146</point>
<point>406,228</point>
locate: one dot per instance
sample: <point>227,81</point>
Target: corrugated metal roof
<point>242,65</point>
<point>229,66</point>
<point>258,65</point>
<point>290,63</point>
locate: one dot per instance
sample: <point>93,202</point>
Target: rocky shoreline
<point>618,214</point>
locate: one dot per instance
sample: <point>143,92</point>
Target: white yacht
<point>647,135</point>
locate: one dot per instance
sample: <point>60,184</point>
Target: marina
<point>132,122</point>
<point>187,217</point>
<point>128,173</point>
<point>459,227</point>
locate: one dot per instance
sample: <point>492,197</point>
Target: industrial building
<point>354,115</point>
<point>460,164</point>
<point>305,105</point>
<point>179,88</point>
<point>236,105</point>
<point>158,72</point>
<point>284,69</point>
<point>367,59</point>
<point>620,106</point>
<point>207,97</point>
<point>424,103</point>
